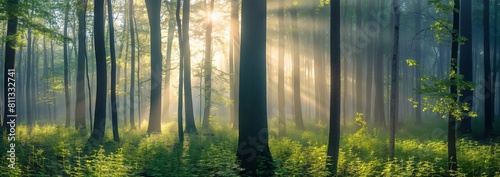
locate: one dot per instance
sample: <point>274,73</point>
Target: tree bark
<point>466,60</point>
<point>208,70</point>
<point>114,111</point>
<point>132,63</point>
<point>452,149</point>
<point>181,61</point>
<point>394,79</point>
<point>10,60</point>
<point>80,74</point>
<point>190,125</point>
<point>153,7</point>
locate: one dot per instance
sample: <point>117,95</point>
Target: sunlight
<point>215,16</point>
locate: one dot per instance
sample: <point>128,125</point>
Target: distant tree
<point>66,71</point>
<point>208,69</point>
<point>170,39</point>
<point>114,111</point>
<point>297,106</point>
<point>379,79</point>
<point>190,126</point>
<point>154,7</point>
<point>101,74</point>
<point>254,155</point>
<point>394,79</point>
<point>466,59</point>
<point>28,91</point>
<point>335,96</point>
<point>488,102</point>
<point>418,57</point>
<point>80,74</point>
<point>132,63</point>
<point>281,67</point>
<point>235,45</point>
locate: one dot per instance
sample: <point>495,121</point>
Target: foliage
<point>58,151</point>
<point>436,95</point>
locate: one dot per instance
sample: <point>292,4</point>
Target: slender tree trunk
<point>281,66</point>
<point>181,61</point>
<point>100,53</point>
<point>488,109</point>
<point>296,71</point>
<point>208,70</point>
<point>114,111</point>
<point>359,64</point>
<point>153,7</point>
<point>66,72</point>
<point>10,60</point>
<point>138,74</point>
<point>132,64</point>
<point>394,79</point>
<point>452,149</point>
<point>335,96</point>
<point>29,91</point>
<point>418,57</point>
<point>235,6</point>
<point>190,125</point>
<point>80,75</point>
<point>170,39</point>
<point>466,60</point>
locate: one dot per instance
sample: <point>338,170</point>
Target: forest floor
<point>420,150</point>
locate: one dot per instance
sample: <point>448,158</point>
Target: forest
<point>249,88</point>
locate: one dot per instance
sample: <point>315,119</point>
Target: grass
<point>421,151</point>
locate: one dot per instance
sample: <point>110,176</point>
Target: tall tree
<point>253,155</point>
<point>190,126</point>
<point>101,74</point>
<point>488,102</point>
<point>10,59</point>
<point>394,79</point>
<point>132,63</point>
<point>80,74</point>
<point>154,7</point>
<point>335,96</point>
<point>379,79</point>
<point>208,69</point>
<point>235,37</point>
<point>170,39</point>
<point>281,66</point>
<point>28,90</point>
<point>181,63</point>
<point>465,63</point>
<point>452,149</point>
<point>66,72</point>
<point>114,111</point>
<point>297,106</point>
<point>418,57</point>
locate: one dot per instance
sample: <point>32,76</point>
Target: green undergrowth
<point>58,151</point>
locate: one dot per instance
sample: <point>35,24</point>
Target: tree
<point>418,57</point>
<point>208,69</point>
<point>452,149</point>
<point>114,112</point>
<point>334,133</point>
<point>80,78</point>
<point>235,65</point>
<point>28,91</point>
<point>394,79</point>
<point>132,63</point>
<point>190,126</point>
<point>181,61</point>
<point>154,7</point>
<point>297,106</point>
<point>488,102</point>
<point>97,135</point>
<point>66,72</point>
<point>254,155</point>
<point>281,66</point>
<point>10,59</point>
<point>379,80</point>
<point>170,39</point>
<point>466,59</point>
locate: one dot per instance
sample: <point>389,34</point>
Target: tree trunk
<point>466,60</point>
<point>114,111</point>
<point>66,73</point>
<point>281,66</point>
<point>132,64</point>
<point>379,80</point>
<point>296,71</point>
<point>236,57</point>
<point>190,125</point>
<point>170,39</point>
<point>29,91</point>
<point>488,110</point>
<point>335,96</point>
<point>394,79</point>
<point>253,155</point>
<point>101,74</point>
<point>80,74</point>
<point>153,7</point>
<point>452,149</point>
<point>208,69</point>
<point>181,61</point>
<point>418,57</point>
<point>10,60</point>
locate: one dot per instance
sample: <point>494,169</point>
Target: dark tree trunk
<point>418,57</point>
<point>488,109</point>
<point>181,61</point>
<point>153,7</point>
<point>465,63</point>
<point>208,69</point>
<point>379,80</point>
<point>335,96</point>
<point>297,106</point>
<point>132,64</point>
<point>80,74</point>
<point>254,155</point>
<point>139,117</point>
<point>281,66</point>
<point>190,125</point>
<point>452,149</point>
<point>101,74</point>
<point>359,64</point>
<point>10,60</point>
<point>66,72</point>
<point>394,79</point>
<point>28,90</point>
<point>114,111</point>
